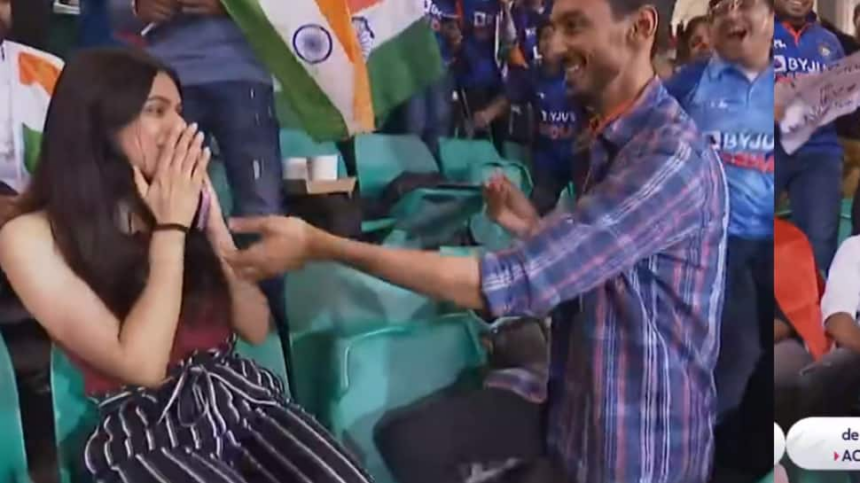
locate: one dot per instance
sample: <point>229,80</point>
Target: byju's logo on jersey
<point>741,141</point>
<point>783,64</point>
<point>779,63</point>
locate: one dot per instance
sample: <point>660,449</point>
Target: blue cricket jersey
<point>736,115</point>
<point>526,22</point>
<point>557,117</point>
<point>810,50</point>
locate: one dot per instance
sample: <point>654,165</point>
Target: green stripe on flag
<point>32,146</point>
<point>403,66</point>
<point>312,107</point>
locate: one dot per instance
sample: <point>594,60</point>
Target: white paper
<point>815,100</point>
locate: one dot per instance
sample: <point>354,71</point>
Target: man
<point>429,114</point>
<point>520,34</point>
<point>27,80</point>
<point>631,392</point>
<point>730,96</point>
<point>813,175</point>
<point>839,310</point>
<point>230,95</point>
<point>476,69</point>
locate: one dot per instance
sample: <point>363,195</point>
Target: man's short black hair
<point>665,11</point>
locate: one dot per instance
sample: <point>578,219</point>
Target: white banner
<point>815,100</point>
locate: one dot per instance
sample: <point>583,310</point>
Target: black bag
<point>339,214</point>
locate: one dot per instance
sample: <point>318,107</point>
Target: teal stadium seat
<point>13,454</point>
<point>388,368</point>
<point>327,301</point>
<point>845,220</point>
<point>381,158</point>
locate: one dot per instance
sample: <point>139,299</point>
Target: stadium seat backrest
<point>381,158</point>
<point>328,300</point>
<point>76,415</point>
<point>389,368</point>
<point>13,455</point>
<point>458,156</point>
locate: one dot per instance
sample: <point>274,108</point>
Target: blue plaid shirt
<point>631,393</point>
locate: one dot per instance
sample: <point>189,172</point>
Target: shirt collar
<point>624,122</point>
<point>811,20</point>
<point>717,66</point>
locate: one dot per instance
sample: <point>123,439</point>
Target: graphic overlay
<point>825,444</point>
<point>778,444</point>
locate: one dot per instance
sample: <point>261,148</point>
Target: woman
<point>111,254</point>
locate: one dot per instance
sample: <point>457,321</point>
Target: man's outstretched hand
<point>284,245</point>
<point>509,207</point>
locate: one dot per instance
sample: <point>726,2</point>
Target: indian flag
<point>343,64</point>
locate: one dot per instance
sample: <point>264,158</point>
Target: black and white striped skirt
<point>219,418</point>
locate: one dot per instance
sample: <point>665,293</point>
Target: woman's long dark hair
<point>83,180</point>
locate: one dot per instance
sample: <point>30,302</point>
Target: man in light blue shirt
<point>730,96</point>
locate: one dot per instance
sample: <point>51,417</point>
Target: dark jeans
<point>747,321</point>
<point>744,437</point>
<point>814,185</point>
<point>435,440</point>
<point>241,118</point>
<point>428,114</point>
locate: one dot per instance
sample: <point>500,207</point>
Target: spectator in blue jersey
<point>520,32</point>
<point>812,176</point>
<point>477,71</point>
<point>429,114</point>
<point>230,95</point>
<point>558,122</point>
<point>730,96</point>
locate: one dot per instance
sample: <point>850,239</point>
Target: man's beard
<point>591,96</point>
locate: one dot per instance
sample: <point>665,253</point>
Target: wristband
<point>171,227</point>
